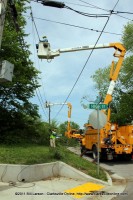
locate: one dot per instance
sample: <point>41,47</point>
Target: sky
<point>58,77</point>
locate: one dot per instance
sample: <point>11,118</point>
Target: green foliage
<point>53,124</point>
<point>63,127</point>
<point>101,79</point>
<point>127,37</point>
<point>63,140</point>
<point>67,142</point>
<point>56,153</point>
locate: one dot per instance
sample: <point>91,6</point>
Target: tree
<point>15,96</point>
<point>101,79</point>
<point>63,127</point>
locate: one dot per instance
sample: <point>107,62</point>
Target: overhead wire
<point>75,26</point>
<point>81,5</point>
<point>38,93</point>
<point>124,17</point>
<point>114,12</point>
<point>41,103</point>
<point>87,14</point>
<point>62,5</point>
<point>90,5</point>
<point>31,14</point>
<point>86,62</point>
<point>116,5</point>
<point>94,15</point>
<point>94,6</point>
<point>34,48</point>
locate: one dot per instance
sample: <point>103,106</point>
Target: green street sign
<point>101,106</point>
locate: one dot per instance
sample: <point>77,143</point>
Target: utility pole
<point>47,105</point>
<point>3,4</point>
<point>6,68</point>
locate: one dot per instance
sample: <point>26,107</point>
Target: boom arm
<point>114,72</point>
<point>45,52</point>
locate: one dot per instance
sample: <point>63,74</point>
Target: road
<point>121,168</point>
<point>124,169</point>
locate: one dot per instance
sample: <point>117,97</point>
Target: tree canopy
<point>63,127</point>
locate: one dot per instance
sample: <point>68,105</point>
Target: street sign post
<point>98,119</point>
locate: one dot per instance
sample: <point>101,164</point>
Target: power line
<point>116,4</point>
<point>121,12</point>
<point>88,5</point>
<point>113,12</point>
<point>58,4</point>
<point>81,5</point>
<point>87,14</point>
<point>124,17</point>
<point>42,106</point>
<point>75,26</point>
<point>93,6</point>
<point>85,62</point>
<point>33,23</point>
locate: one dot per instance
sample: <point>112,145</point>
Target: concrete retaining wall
<point>28,173</point>
<point>31,173</point>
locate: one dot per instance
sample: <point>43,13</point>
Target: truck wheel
<point>83,149</point>
<point>94,152</point>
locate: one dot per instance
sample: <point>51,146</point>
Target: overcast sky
<point>59,75</point>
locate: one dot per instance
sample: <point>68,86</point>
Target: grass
<point>35,154</point>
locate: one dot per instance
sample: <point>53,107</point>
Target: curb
<point>116,179</point>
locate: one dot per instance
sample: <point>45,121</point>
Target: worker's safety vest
<point>53,135</point>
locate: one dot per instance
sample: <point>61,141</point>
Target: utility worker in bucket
<point>99,98</point>
<point>52,138</point>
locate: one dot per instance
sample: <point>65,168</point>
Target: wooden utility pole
<point>6,68</point>
<point>3,4</point>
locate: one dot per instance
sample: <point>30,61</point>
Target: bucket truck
<point>114,140</point>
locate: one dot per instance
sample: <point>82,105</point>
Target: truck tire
<point>83,149</point>
<point>94,152</point>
